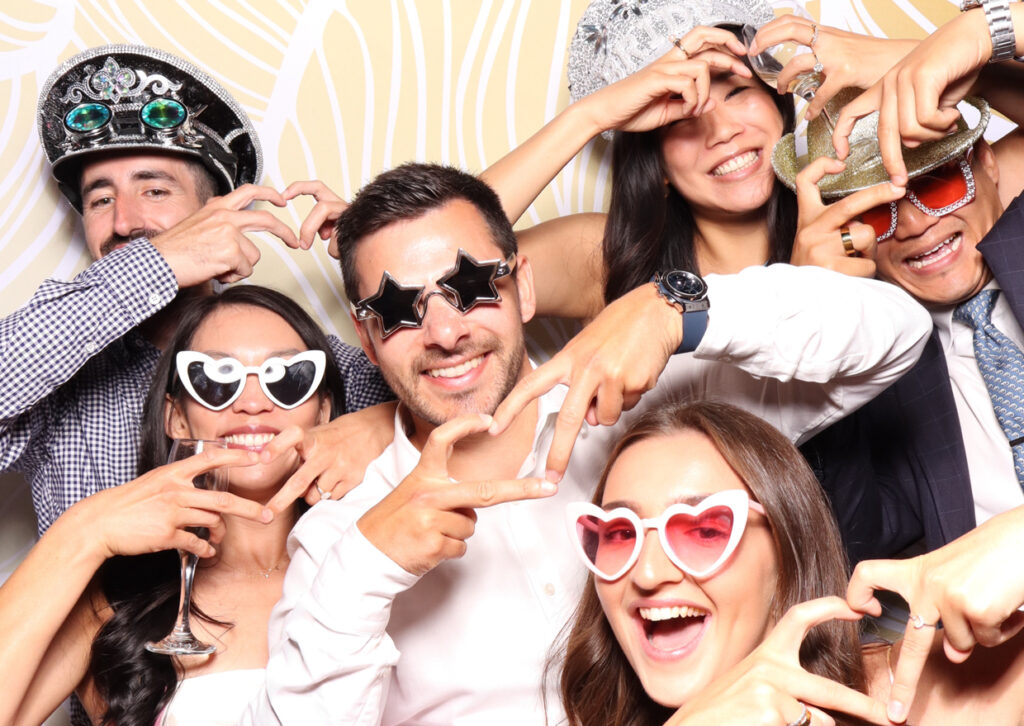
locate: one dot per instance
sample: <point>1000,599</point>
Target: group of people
<point>433,529</point>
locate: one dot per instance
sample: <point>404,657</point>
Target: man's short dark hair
<point>408,192</point>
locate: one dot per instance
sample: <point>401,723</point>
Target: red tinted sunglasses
<point>937,193</point>
<point>697,539</point>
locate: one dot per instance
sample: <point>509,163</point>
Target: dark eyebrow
<point>140,175</point>
<point>270,354</point>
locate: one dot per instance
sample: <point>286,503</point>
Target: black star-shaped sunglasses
<point>464,286</point>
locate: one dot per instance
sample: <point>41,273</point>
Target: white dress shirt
<point>356,639</point>
<point>989,459</point>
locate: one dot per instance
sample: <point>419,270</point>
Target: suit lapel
<point>929,410</point>
<point>1003,250</point>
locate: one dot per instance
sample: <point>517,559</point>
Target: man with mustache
<point>141,142</point>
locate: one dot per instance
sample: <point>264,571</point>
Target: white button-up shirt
<point>358,640</point>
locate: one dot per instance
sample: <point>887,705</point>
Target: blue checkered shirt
<point>74,375</point>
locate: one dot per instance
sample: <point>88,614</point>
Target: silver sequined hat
<point>124,97</point>
<point>918,160</point>
<point>616,38</point>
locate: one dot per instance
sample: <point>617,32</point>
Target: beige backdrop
<point>338,91</point>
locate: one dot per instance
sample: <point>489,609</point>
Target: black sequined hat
<point>124,97</point>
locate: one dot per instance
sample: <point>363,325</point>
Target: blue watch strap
<point>695,324</point>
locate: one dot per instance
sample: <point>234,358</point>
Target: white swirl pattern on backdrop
<point>338,91</point>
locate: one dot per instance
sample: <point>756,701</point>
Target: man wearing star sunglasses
<point>440,296</point>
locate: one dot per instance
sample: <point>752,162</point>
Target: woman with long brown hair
<point>713,553</point>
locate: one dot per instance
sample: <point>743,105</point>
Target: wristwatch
<point>687,293</point>
<point>1000,27</point>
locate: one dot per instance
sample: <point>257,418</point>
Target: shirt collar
<point>942,317</point>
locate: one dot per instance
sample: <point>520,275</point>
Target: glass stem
<point>188,573</point>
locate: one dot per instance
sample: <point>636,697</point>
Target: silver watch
<point>1000,26</point>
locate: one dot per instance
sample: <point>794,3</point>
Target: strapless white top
<point>215,699</point>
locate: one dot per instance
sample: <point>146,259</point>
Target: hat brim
<point>919,160</point>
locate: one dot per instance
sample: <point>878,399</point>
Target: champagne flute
<point>181,641</point>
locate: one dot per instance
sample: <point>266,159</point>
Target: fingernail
<point>548,487</point>
<point>552,476</point>
<point>487,419</point>
<point>897,711</point>
<point>897,188</point>
<point>494,428</point>
<point>267,514</point>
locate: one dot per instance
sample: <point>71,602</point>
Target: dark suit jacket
<point>896,471</point>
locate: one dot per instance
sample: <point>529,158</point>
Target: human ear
<point>524,284</point>
<point>175,424</point>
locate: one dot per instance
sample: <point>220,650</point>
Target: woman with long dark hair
<point>714,553</point>
<point>112,554</point>
<point>692,132</point>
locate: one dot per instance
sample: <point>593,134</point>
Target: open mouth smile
<point>937,253</point>
<point>736,163</point>
<point>672,631</point>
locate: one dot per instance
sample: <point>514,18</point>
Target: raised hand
<point>334,455</point>
<point>819,236</point>
<point>848,59</point>
<point>151,513</point>
<point>769,686</point>
<point>969,584</point>
<point>322,217</point>
<point>211,244</point>
<point>917,98</point>
<point>428,517</point>
<point>607,366</point>
<point>674,87</point>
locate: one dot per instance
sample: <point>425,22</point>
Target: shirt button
<point>549,589</point>
<point>154,299</point>
<point>90,347</point>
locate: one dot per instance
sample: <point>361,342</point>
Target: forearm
<point>35,605</point>
<point>44,343</point>
<point>519,176</point>
<point>813,325</point>
<point>568,265</point>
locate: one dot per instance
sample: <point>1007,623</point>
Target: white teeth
<point>939,252</point>
<point>456,371</point>
<point>249,440</point>
<point>735,164</point>
<point>657,614</point>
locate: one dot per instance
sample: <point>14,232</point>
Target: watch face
<point>685,284</point>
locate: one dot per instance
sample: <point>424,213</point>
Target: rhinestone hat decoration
<point>616,38</point>
<point>918,160</point>
<point>125,97</point>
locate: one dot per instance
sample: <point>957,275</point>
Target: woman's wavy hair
<point>143,590</point>
<point>651,227</point>
<point>598,685</point>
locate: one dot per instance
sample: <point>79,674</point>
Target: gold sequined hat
<point>132,97</point>
<point>855,177</point>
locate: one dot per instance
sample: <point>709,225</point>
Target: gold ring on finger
<point>848,249</point>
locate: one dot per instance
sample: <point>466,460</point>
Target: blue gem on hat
<point>87,117</point>
<point>111,81</point>
<point>163,113</point>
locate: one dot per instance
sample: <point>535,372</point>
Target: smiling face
<point>679,633</point>
<point>720,161</point>
<point>250,335</point>
<point>134,195</point>
<point>455,363</point>
<point>936,259</point>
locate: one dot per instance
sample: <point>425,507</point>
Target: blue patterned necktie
<point>1002,367</point>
